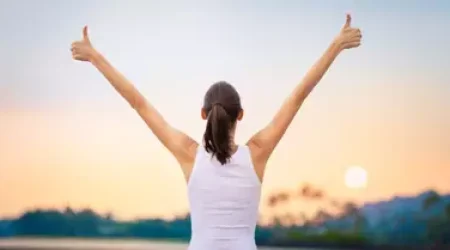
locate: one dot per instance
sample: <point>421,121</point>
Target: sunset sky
<point>67,138</point>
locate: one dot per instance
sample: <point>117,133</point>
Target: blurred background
<point>365,162</point>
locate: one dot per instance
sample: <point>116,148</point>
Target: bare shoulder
<point>259,157</point>
<point>188,159</point>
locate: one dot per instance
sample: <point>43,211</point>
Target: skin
<point>183,147</point>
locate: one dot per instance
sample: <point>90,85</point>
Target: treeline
<point>87,223</point>
<point>420,220</point>
<point>352,226</point>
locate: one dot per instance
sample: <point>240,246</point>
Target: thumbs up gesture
<point>82,50</point>
<point>349,37</point>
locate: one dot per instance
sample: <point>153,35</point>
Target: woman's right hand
<point>83,50</point>
<point>349,37</point>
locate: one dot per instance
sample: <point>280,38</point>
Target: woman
<point>224,179</point>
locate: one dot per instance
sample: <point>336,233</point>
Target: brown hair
<point>222,105</point>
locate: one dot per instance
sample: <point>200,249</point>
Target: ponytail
<point>217,134</point>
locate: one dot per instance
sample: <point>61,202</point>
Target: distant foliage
<point>420,220</point>
<point>85,223</point>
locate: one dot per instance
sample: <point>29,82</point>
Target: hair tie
<point>217,104</point>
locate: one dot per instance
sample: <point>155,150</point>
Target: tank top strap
<point>200,150</point>
<point>244,155</point>
<point>249,159</point>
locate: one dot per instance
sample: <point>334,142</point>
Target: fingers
<point>75,45</point>
<point>75,48</point>
<point>351,36</point>
<point>357,32</point>
<point>80,49</point>
<point>78,57</point>
<point>355,37</point>
<point>354,44</point>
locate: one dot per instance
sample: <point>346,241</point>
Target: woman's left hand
<point>349,37</point>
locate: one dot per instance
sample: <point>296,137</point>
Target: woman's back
<point>224,201</point>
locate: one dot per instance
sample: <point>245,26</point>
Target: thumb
<point>348,22</point>
<point>85,33</point>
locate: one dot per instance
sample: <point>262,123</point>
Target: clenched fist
<point>82,50</point>
<point>349,37</point>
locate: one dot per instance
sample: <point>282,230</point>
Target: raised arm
<point>264,142</point>
<point>179,144</point>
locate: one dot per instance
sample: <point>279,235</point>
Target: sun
<point>356,177</point>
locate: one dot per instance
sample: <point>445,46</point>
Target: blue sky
<point>191,45</point>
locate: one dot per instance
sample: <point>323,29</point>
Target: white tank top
<point>224,201</point>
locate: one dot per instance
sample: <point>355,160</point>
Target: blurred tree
<point>438,225</point>
<point>430,200</point>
